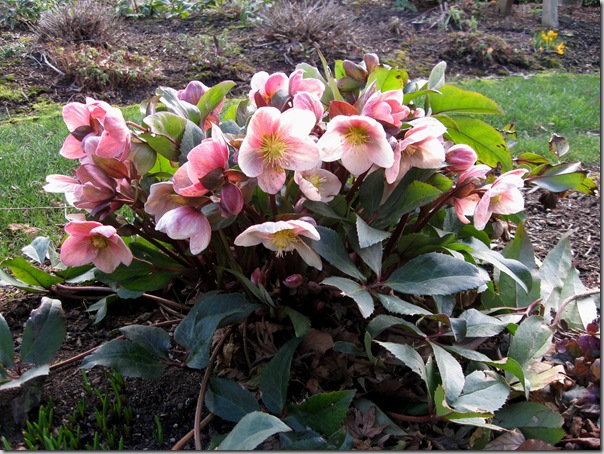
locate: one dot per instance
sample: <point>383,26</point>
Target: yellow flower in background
<point>560,49</point>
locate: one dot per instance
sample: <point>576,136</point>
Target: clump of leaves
<point>322,23</point>
<point>86,21</point>
<point>482,50</point>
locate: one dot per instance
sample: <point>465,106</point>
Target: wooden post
<point>504,7</point>
<point>549,14</point>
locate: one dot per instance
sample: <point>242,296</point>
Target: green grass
<point>561,103</point>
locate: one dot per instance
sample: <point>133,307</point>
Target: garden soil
<point>173,398</point>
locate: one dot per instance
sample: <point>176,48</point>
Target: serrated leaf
<point>481,325</point>
<point>468,418</point>
<point>274,380</point>
<point>394,304</point>
<point>531,340</point>
<point>44,332</point>
<point>252,430</point>
<point>26,376</point>
<point>166,130</point>
<point>534,421</point>
<point>408,356</point>
<point>371,190</point>
<point>229,400</point>
<point>324,412</point>
<point>331,248</point>
<point>513,268</point>
<point>454,100</point>
<point>483,391</point>
<point>29,274</point>
<point>128,358</point>
<point>415,195</point>
<point>355,291</point>
<point>435,274</point>
<point>450,372</point>
<point>153,339</point>
<point>7,348</point>
<point>369,236</point>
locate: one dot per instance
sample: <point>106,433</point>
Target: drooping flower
<point>283,236</point>
<point>318,184</point>
<point>161,199</point>
<point>464,200</point>
<point>95,128</point>
<point>503,196</point>
<point>359,141</point>
<point>386,107</point>
<point>276,142</point>
<point>460,158</point>
<point>93,242</point>
<point>187,223</point>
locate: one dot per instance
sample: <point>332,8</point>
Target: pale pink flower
<point>162,199</point>
<point>318,184</point>
<point>276,142</point>
<point>460,158</point>
<point>298,83</point>
<point>193,93</point>
<point>386,107</point>
<point>95,128</point>
<point>502,197</point>
<point>60,184</point>
<point>359,141</point>
<point>465,207</point>
<point>307,101</point>
<point>266,87</point>
<point>186,222</point>
<point>212,154</point>
<point>283,236</point>
<point>93,242</point>
<point>464,200</point>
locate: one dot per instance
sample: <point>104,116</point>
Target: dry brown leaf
<point>536,445</point>
<point>316,341</point>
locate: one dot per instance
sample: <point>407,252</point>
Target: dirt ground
<point>381,29</point>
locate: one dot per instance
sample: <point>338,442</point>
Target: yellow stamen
<point>356,135</point>
<point>99,241</point>
<point>273,148</point>
<point>284,240</point>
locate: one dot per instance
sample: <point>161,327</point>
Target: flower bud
<point>293,281</point>
<point>371,61</point>
<point>354,71</point>
<point>231,199</point>
<point>258,277</point>
<point>460,158</point>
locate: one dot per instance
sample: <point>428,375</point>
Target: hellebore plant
<point>355,196</point>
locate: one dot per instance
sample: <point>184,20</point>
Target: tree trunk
<point>504,7</point>
<point>549,14</point>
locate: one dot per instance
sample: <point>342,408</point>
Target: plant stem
<point>569,300</point>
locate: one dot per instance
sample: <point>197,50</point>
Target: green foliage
<point>19,13</point>
<point>162,8</point>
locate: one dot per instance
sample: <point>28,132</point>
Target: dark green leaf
<point>228,400</point>
<point>369,236</point>
<point>192,136</point>
<point>370,192</point>
<point>355,291</point>
<point>394,304</point>
<point>534,421</point>
<point>372,255</point>
<point>531,340</point>
<point>416,194</point>
<point>323,209</point>
<point>450,372</point>
<point>513,268</point>
<point>483,391</point>
<point>155,340</point>
<point>324,412</point>
<point>252,430</point>
<point>26,376</point>
<point>44,332</point>
<point>408,356</point>
<point>275,377</point>
<point>331,248</point>
<point>301,323</point>
<point>481,325</point>
<point>128,358</point>
<point>166,130</point>
<point>7,348</point>
<point>29,274</point>
<point>435,274</point>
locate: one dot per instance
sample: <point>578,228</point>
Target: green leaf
<point>210,312</point>
<point>394,304</point>
<point>166,130</point>
<point>513,268</point>
<point>474,418</point>
<point>481,325</point>
<point>7,348</point>
<point>437,76</point>
<point>191,137</point>
<point>6,279</point>
<point>323,209</point>
<point>275,377</point>
<point>29,274</point>
<point>483,391</point>
<point>331,248</point>
<point>252,430</point>
<point>408,356</point>
<point>169,98</point>
<point>212,98</point>
<point>229,400</point>
<point>388,78</point>
<point>450,372</point>
<point>435,274</point>
<point>26,376</point>
<point>371,190</point>
<point>300,322</point>
<point>128,358</point>
<point>324,412</point>
<point>559,183</point>
<point>453,100</point>
<point>355,291</point>
<point>489,144</point>
<point>37,249</point>
<point>381,419</point>
<point>369,236</point>
<point>534,421</point>
<point>415,195</point>
<point>531,340</point>
<point>155,340</point>
<point>44,332</point>
<point>372,255</point>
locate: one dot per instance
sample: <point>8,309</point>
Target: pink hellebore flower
<point>94,242</point>
<point>95,128</point>
<point>502,197</point>
<point>283,236</point>
<point>193,93</point>
<point>386,107</point>
<point>267,86</point>
<point>186,222</point>
<point>209,155</point>
<point>318,184</point>
<point>298,83</point>
<point>161,199</point>
<point>276,142</point>
<point>460,158</point>
<point>466,182</point>
<point>359,141</point>
<point>307,101</point>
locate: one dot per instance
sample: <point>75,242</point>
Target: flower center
<point>356,136</point>
<point>284,240</point>
<point>273,149</point>
<point>99,241</point>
